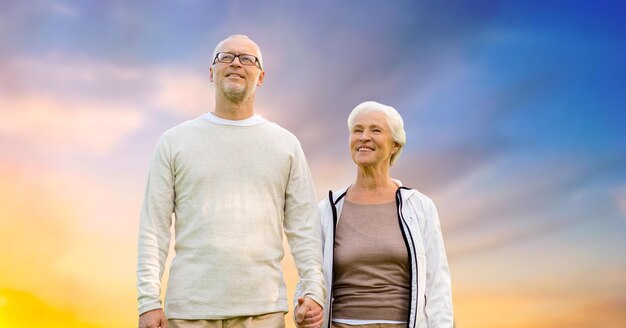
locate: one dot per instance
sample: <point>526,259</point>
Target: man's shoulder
<point>182,128</point>
<point>280,131</point>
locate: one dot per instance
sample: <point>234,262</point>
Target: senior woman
<point>384,259</point>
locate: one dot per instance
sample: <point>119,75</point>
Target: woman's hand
<point>308,313</point>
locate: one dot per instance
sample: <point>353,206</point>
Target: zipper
<point>404,228</point>
<point>333,206</point>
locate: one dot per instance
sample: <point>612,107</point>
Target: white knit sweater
<point>233,189</point>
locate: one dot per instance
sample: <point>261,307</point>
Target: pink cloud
<point>62,103</point>
<point>65,124</point>
<point>182,91</point>
<point>620,199</point>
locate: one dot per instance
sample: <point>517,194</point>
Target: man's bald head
<point>223,45</point>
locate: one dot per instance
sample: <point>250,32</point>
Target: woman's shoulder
<point>417,198</point>
<point>334,196</point>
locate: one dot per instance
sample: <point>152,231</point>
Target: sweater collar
<point>253,120</point>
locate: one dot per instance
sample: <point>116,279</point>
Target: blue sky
<point>514,112</point>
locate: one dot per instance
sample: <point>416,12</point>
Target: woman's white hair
<point>394,120</point>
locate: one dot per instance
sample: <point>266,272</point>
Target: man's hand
<point>308,313</point>
<point>153,319</point>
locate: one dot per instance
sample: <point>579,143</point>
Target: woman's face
<point>371,143</point>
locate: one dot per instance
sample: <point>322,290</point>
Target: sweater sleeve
<point>438,283</point>
<point>299,292</point>
<point>154,228</point>
<point>302,228</point>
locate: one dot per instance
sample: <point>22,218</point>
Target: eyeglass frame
<point>257,63</point>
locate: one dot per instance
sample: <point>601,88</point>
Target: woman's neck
<point>372,187</point>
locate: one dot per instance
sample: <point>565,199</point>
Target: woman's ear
<point>396,146</point>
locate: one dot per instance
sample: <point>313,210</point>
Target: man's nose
<point>237,60</point>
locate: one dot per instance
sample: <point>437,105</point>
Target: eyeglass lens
<point>225,57</point>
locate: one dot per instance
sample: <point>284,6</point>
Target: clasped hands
<point>308,313</point>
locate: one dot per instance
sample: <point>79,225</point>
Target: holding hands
<point>308,313</point>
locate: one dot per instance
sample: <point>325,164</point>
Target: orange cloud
<point>488,308</point>
<point>20,309</point>
<point>66,125</point>
<point>331,174</point>
<point>55,254</point>
<point>183,91</point>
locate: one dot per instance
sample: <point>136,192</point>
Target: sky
<point>514,113</point>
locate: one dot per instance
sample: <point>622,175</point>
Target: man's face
<point>236,81</point>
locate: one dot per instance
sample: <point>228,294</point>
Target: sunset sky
<point>515,113</point>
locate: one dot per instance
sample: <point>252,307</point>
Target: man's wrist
<point>316,299</point>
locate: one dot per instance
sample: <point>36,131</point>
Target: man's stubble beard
<point>236,92</point>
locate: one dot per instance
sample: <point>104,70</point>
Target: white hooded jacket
<point>431,296</point>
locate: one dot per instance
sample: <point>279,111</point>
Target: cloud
<point>491,202</point>
<point>446,167</point>
<point>66,125</point>
<point>331,174</point>
<point>65,246</point>
<point>493,241</point>
<point>67,103</point>
<point>24,309</point>
<point>182,91</point>
<point>518,307</point>
<point>620,199</point>
<point>64,10</point>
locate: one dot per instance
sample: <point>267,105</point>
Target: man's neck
<point>235,111</point>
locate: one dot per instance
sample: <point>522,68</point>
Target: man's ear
<point>211,73</point>
<point>261,76</point>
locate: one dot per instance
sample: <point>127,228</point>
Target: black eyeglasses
<point>227,58</point>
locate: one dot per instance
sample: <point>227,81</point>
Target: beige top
<point>234,188</point>
<point>371,264</point>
